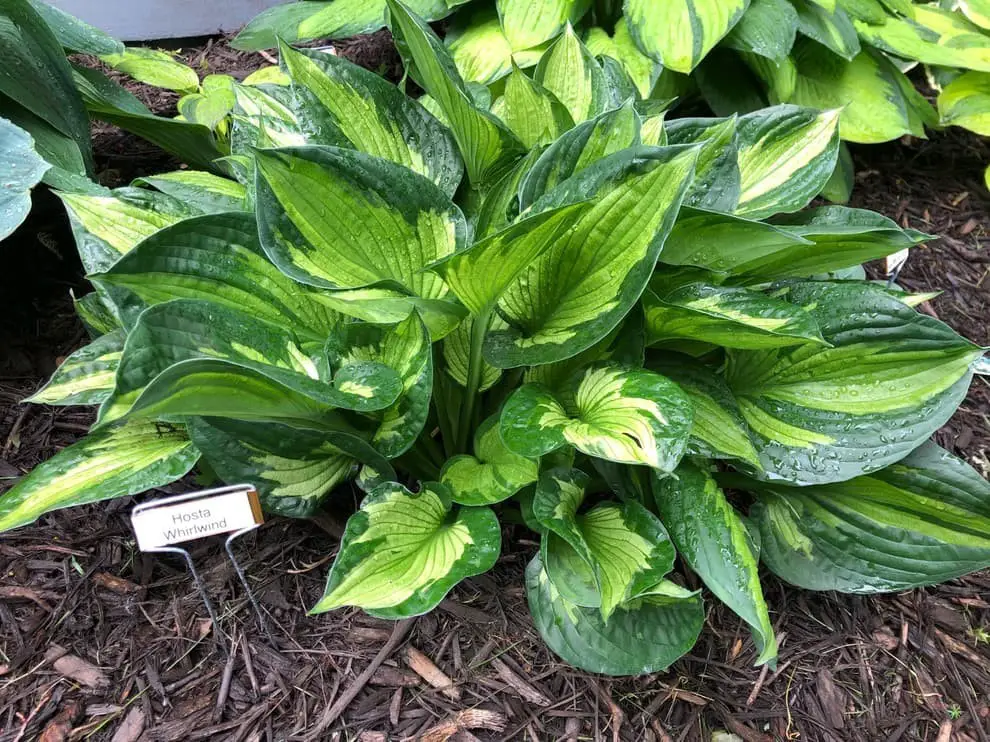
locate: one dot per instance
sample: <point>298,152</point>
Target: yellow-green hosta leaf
<point>965,102</point>
<point>293,469</point>
<point>376,117</point>
<point>500,204</point>
<point>978,12</point>
<point>155,68</point>
<point>716,176</point>
<point>580,289</point>
<point>679,33</point>
<point>487,147</point>
<point>642,70</point>
<point>767,28</point>
<point>528,23</point>
<point>923,520</point>
<point>891,378</point>
<point>533,114</point>
<point>22,168</point>
<point>493,474</point>
<point>96,314</point>
<point>831,28</point>
<point>387,306</point>
<point>727,316</point>
<point>212,105</point>
<point>87,376</point>
<point>613,412</point>
<point>711,537</point>
<point>643,636</point>
<point>206,192</point>
<point>402,552</point>
<point>786,155</point>
<point>457,352</point>
<point>478,46</point>
<point>271,75</point>
<point>573,75</point>
<point>113,462</point>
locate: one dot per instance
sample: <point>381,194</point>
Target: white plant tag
<point>196,515</point>
<point>896,261</point>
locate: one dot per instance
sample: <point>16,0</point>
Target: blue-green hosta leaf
<point>644,636</point>
<point>457,353</point>
<point>527,24</point>
<point>831,28</point>
<point>891,378</point>
<point>679,34</point>
<point>486,146</point>
<point>405,348</point>
<point>965,102</point>
<point>573,75</point>
<point>642,70</point>
<point>87,376</point>
<point>879,103</point>
<point>923,520</point>
<point>767,28</point>
<point>376,117</point>
<point>786,155</point>
<point>402,552</point>
<point>711,538</point>
<point>113,462</point>
<point>22,169</point>
<point>205,192</point>
<point>580,289</point>
<point>219,257</point>
<point>624,548</point>
<point>493,474</point>
<point>533,114</point>
<point>293,469</point>
<point>716,177</point>
<point>727,316</point>
<point>155,68</point>
<point>74,34</point>
<point>719,430</point>
<point>478,46</point>
<point>577,149</point>
<point>725,81</point>
<point>614,412</point>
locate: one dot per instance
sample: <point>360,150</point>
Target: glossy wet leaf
<point>492,474</point>
<point>86,377</point>
<point>22,168</point>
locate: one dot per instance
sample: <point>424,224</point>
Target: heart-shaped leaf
<point>493,474</point>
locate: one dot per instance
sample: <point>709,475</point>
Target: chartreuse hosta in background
<point>739,55</point>
<point>628,331</point>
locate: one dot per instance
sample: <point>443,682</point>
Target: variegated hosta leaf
<point>679,33</point>
<point>486,146</point>
<point>621,551</point>
<point>726,316</point>
<point>457,354</point>
<point>21,167</point>
<point>478,45</point>
<point>293,469</point>
<point>113,462</point>
<point>965,102</point>
<point>528,24</point>
<point>786,155</point>
<point>923,520</point>
<point>155,68</point>
<point>977,11</point>
<point>85,377</point>
<point>96,314</point>
<point>643,636</point>
<point>375,116</point>
<point>573,75</point>
<point>891,378</point>
<point>711,538</point>
<point>767,28</point>
<point>830,27</point>
<point>578,290</point>
<point>205,192</point>
<point>642,70</point>
<point>493,474</point>
<point>719,430</point>
<point>405,348</point>
<point>264,118</point>
<point>402,552</point>
<point>533,113</point>
<point>613,412</point>
<point>500,204</point>
<point>879,102</point>
<point>212,106</point>
<point>219,258</point>
<point>716,177</point>
<point>386,306</point>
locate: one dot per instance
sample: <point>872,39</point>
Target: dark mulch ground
<point>99,641</point>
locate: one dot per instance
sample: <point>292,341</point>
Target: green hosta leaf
<point>730,317</point>
<point>719,430</point>
<point>726,83</point>
<point>486,146</point>
<point>716,179</point>
<point>385,306</point>
<point>212,106</point>
<point>293,470</point>
<point>96,314</point>
<point>205,192</point>
<point>613,412</point>
<point>879,103</point>
<point>403,552</point>
<point>337,218</point>
<point>478,46</point>
<point>85,377</point>
<point>891,378</point>
<point>184,262</point>
<point>831,28</point>
<point>977,11</point>
<point>456,355</point>
<point>680,34</point>
<point>22,169</point>
<point>644,636</point>
<point>115,462</point>
<point>778,76</point>
<point>711,538</point>
<point>921,521</point>
<point>493,474</point>
<point>624,548</point>
<point>528,24</point>
<point>533,114</point>
<point>839,187</point>
<point>154,68</point>
<point>767,28</point>
<point>574,76</point>
<point>786,155</point>
<point>500,204</point>
<point>965,102</point>
<point>74,34</point>
<point>642,70</point>
<point>581,288</point>
<point>376,117</point>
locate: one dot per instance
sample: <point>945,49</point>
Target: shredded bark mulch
<point>101,642</point>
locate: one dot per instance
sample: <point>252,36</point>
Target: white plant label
<point>175,521</point>
<point>897,260</point>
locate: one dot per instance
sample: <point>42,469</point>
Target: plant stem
<point>475,366</point>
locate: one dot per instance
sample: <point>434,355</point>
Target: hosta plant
<point>554,309</point>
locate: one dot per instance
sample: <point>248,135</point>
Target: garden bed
<point>102,642</point>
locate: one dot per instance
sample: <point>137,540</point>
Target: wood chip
<point>116,584</point>
<point>131,727</point>
<point>463,720</point>
<point>426,669</point>
<point>944,732</point>
<point>832,699</point>
<point>393,677</point>
<point>19,592</point>
<point>59,728</point>
<point>520,686</point>
<point>372,737</point>
<point>76,668</point>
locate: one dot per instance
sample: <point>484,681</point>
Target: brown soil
<point>101,642</point>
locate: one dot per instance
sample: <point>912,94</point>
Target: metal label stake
<point>160,524</point>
